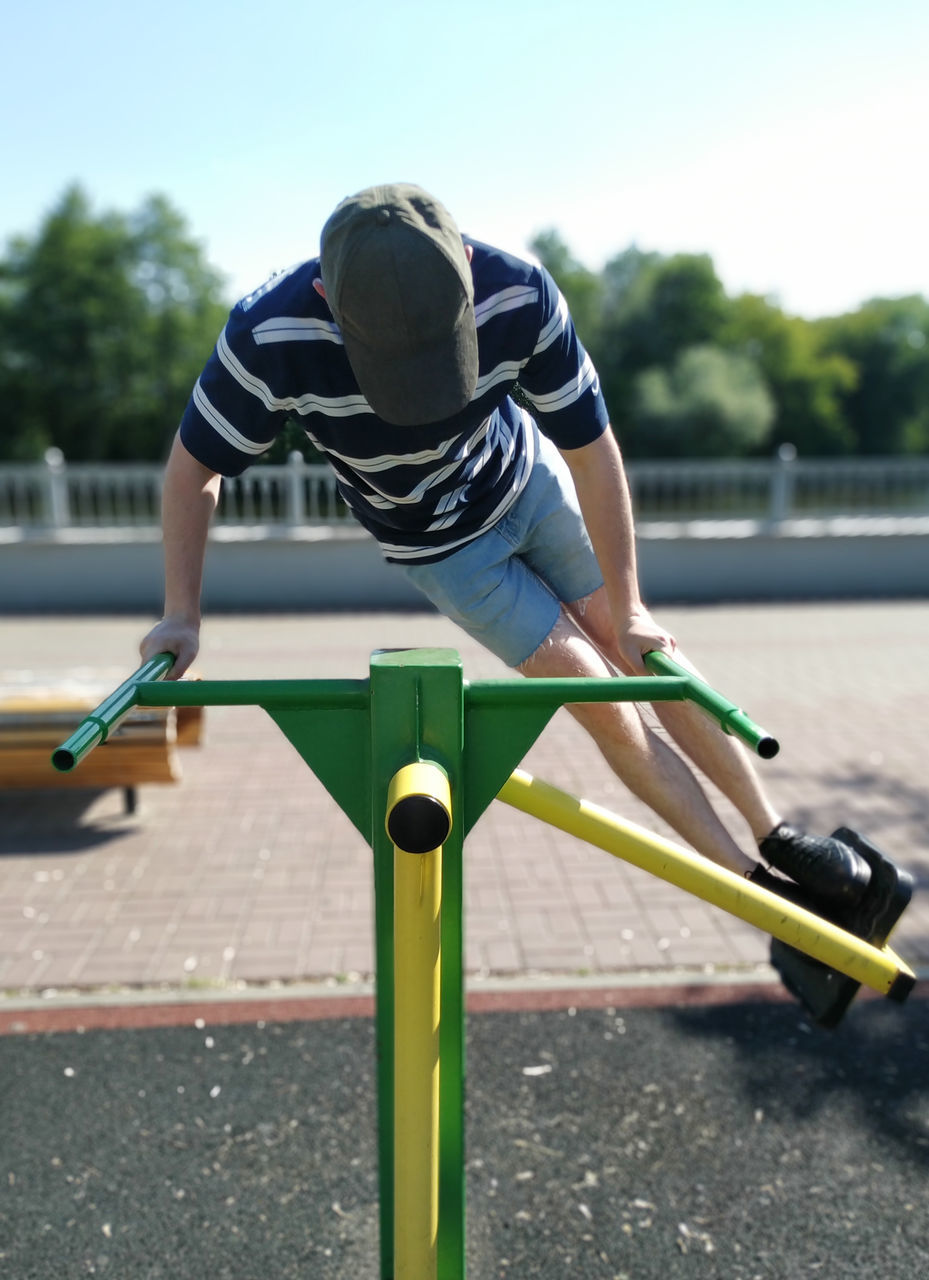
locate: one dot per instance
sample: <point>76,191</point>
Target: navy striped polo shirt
<point>421,491</point>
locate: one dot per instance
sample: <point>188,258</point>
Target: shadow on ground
<point>731,1142</point>
<point>895,807</point>
<point>56,821</point>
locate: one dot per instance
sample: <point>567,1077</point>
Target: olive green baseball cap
<point>399,285</point>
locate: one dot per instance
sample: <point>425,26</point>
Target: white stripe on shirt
<point>296,329</point>
<point>389,461</point>
<point>222,425</point>
<point>570,391</point>
<point>506,300</point>
<point>397,551</point>
<point>556,325</point>
<point>334,407</point>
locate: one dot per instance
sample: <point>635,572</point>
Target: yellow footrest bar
<point>877,968</point>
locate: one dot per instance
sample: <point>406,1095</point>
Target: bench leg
<point>130,799</point>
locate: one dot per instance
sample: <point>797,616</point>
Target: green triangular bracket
<point>336,744</point>
<point>499,722</point>
<point>497,735</point>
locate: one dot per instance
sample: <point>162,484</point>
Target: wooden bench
<point>37,714</point>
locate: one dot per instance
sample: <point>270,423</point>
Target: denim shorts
<point>506,587</point>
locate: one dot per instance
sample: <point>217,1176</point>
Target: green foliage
<point>107,319</point>
<point>709,403</point>
<point>887,407</point>
<point>686,369</point>
<point>656,309</point>
<point>291,439</point>
<point>105,324</point>
<point>668,305</point>
<point>583,289</point>
<point>808,383</point>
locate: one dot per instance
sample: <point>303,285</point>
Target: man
<point>401,348</point>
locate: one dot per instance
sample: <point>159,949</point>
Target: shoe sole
<point>824,992</point>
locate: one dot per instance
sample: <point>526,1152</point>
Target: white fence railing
<point>57,495</point>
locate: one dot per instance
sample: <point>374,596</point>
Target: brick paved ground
<point>248,872</point>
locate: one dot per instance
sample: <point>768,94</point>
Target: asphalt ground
<point>727,1140</point>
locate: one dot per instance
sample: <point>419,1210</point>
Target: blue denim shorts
<point>506,587</point>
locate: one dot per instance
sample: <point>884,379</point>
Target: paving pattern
<point>247,872</point>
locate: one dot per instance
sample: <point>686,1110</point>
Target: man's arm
<point>189,499</point>
<point>603,493</point>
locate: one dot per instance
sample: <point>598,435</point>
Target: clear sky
<point>786,138</point>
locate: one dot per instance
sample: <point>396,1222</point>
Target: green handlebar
<point>101,722</point>
<point>681,685</point>
<point>730,717</point>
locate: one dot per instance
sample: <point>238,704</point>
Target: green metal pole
<point>356,735</point>
<point>728,715</point>
<point>670,683</point>
<point>101,722</point>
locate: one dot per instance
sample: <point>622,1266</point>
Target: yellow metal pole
<point>871,966</point>
<point>417,971</point>
<point>418,796</point>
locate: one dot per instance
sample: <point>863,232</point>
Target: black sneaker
<point>825,993</point>
<point>785,888</point>
<point>827,869</point>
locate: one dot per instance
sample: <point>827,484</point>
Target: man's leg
<point>720,756</point>
<point>826,867</point>
<point>639,757</point>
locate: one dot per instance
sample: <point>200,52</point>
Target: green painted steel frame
<point>355,735</point>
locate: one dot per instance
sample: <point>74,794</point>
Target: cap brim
<point>428,386</point>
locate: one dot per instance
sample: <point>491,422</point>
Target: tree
<point>710,403</point>
<point>655,309</point>
<point>669,304</point>
<point>857,383</point>
<point>105,323</point>
<point>583,289</point>
<point>887,407</point>
<point>809,384</point>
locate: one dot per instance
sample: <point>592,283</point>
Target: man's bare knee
<point>565,651</point>
<point>592,614</point>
